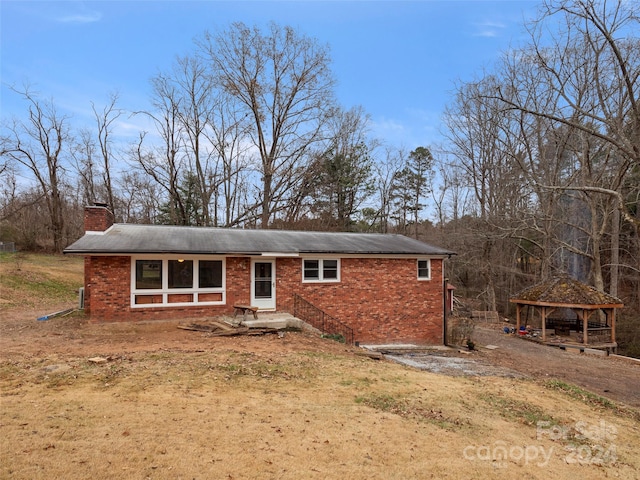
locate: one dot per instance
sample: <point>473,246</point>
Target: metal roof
<point>130,239</point>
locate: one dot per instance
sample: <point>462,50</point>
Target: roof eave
<point>156,252</point>
<point>584,306</point>
<point>252,253</point>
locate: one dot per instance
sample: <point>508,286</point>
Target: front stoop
<point>279,320</point>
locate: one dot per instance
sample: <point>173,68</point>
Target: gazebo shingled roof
<point>566,292</point>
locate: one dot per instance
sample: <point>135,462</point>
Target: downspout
<point>444,308</point>
<point>445,301</point>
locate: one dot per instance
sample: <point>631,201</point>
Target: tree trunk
<point>266,201</point>
<point>615,251</point>
<point>598,280</point>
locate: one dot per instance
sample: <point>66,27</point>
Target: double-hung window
<point>321,270</point>
<point>424,269</point>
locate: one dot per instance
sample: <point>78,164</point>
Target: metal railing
<point>317,318</point>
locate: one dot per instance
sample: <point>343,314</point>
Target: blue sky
<point>399,60</point>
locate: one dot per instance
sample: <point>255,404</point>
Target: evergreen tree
<point>410,186</point>
<point>191,212</point>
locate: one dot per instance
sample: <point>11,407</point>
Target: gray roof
<point>138,239</point>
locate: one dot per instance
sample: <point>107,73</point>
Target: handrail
<point>321,320</point>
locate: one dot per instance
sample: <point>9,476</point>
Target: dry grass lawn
<point>188,406</point>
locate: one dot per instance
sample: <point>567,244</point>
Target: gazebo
<point>564,292</point>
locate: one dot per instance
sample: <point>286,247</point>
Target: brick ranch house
<point>387,288</point>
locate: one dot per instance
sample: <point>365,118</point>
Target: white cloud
<point>490,24</point>
<point>486,34</point>
<point>387,124</point>
<point>422,115</point>
<point>489,29</point>
<point>416,128</point>
<point>389,130</point>
<point>90,17</point>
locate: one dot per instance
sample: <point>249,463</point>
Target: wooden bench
<point>244,309</point>
<point>599,330</point>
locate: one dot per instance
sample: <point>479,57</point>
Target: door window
<point>263,280</point>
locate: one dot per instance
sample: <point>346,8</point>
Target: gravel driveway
<point>613,378</point>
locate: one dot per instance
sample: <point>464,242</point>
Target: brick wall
<point>381,299</point>
<point>108,292</point>
<point>107,281</point>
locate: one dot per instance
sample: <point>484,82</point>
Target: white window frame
<point>165,291</point>
<point>421,278</point>
<point>321,278</point>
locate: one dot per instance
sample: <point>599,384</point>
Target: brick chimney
<point>97,217</point>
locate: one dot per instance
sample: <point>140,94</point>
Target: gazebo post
<point>544,322</point>
<point>585,326</point>
<point>613,325</point>
<point>518,306</point>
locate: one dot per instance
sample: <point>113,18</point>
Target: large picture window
<point>177,282</point>
<point>321,270</point>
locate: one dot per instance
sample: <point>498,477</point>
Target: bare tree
<point>484,147</point>
<point>592,66</point>
<point>83,154</point>
<point>194,87</point>
<point>481,137</point>
<point>282,80</point>
<point>227,133</point>
<point>585,83</point>
<point>105,120</point>
<point>38,144</point>
<point>165,163</point>
<point>549,142</point>
<point>386,169</point>
<point>141,198</point>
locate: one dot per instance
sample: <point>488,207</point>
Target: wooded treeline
<point>539,172</point>
<point>547,148</point>
<point>246,133</point>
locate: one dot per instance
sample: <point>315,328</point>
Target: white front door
<point>263,284</point>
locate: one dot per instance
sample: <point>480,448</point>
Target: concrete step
<point>274,320</point>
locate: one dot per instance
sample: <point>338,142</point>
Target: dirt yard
<point>612,378</point>
<point>171,403</point>
<point>151,401</point>
<point>616,379</point>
